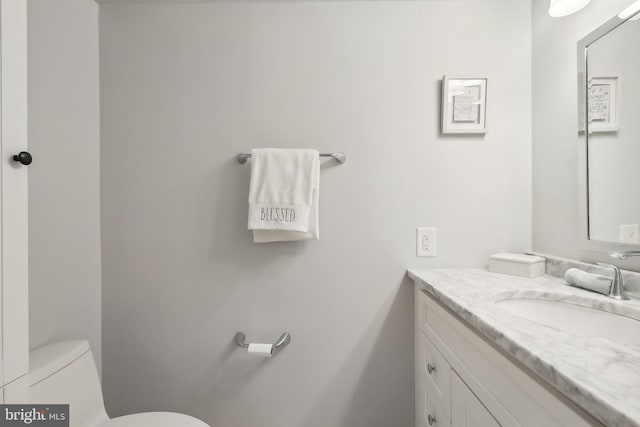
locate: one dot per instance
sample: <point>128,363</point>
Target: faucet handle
<point>617,287</point>
<point>624,254</point>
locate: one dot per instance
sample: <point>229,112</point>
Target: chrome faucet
<point>617,286</point>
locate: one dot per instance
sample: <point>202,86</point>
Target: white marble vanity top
<point>599,375</point>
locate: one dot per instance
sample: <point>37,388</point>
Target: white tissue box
<point>517,264</point>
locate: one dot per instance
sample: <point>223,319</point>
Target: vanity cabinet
<point>442,398</point>
<point>14,301</point>
<point>463,380</point>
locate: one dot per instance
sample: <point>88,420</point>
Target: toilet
<point>65,373</point>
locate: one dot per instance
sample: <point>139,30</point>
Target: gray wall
<point>186,87</point>
<point>555,137</point>
<point>64,201</point>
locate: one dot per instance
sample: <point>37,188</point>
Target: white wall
<point>186,87</point>
<point>555,137</point>
<point>64,210</point>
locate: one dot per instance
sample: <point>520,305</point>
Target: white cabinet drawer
<point>429,412</point>
<point>435,369</point>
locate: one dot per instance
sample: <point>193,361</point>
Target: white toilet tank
<point>65,373</point>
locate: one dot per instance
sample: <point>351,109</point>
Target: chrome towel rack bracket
<point>340,157</point>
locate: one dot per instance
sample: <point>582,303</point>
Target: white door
<point>466,409</point>
<point>13,193</point>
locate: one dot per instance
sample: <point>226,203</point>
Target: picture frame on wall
<point>464,105</point>
<point>603,103</point>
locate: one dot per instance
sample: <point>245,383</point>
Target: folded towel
<point>283,194</point>
<point>588,281</point>
<point>313,233</point>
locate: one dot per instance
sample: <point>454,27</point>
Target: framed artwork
<point>602,102</point>
<point>464,105</point>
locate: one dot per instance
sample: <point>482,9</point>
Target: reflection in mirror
<point>611,110</point>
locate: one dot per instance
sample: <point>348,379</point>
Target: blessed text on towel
<point>278,214</point>
<point>274,216</point>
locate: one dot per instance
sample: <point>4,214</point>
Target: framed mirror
<point>609,126</point>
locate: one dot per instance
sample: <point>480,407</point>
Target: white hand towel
<point>589,281</point>
<point>265,236</point>
<point>283,194</point>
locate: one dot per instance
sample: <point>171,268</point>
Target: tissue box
<point>517,264</point>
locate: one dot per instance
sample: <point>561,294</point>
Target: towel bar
<point>340,157</point>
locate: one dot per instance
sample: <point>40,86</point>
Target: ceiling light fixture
<point>559,8</point>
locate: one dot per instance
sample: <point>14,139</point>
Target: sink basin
<point>583,316</point>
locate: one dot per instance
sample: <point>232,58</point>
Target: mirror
<point>609,71</point>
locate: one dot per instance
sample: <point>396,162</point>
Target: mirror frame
<point>586,243</point>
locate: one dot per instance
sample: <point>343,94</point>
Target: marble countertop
<point>600,375</point>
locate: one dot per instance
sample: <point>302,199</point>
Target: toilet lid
<point>155,419</point>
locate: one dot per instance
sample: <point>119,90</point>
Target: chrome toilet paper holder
<point>280,343</point>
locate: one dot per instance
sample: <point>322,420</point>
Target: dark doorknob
<point>23,157</point>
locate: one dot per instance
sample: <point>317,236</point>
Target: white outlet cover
<point>425,241</point>
<point>630,233</point>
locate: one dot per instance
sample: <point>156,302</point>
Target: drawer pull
<point>431,368</point>
<point>431,419</point>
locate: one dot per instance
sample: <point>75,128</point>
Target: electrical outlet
<point>630,233</point>
<point>425,241</point>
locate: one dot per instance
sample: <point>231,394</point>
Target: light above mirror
<point>630,11</point>
<point>560,8</point>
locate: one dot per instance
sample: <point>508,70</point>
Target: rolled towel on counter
<point>589,281</point>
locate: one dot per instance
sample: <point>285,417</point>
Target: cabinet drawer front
<point>436,371</point>
<point>429,411</point>
<point>468,411</point>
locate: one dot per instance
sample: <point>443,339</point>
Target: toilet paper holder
<point>280,343</point>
